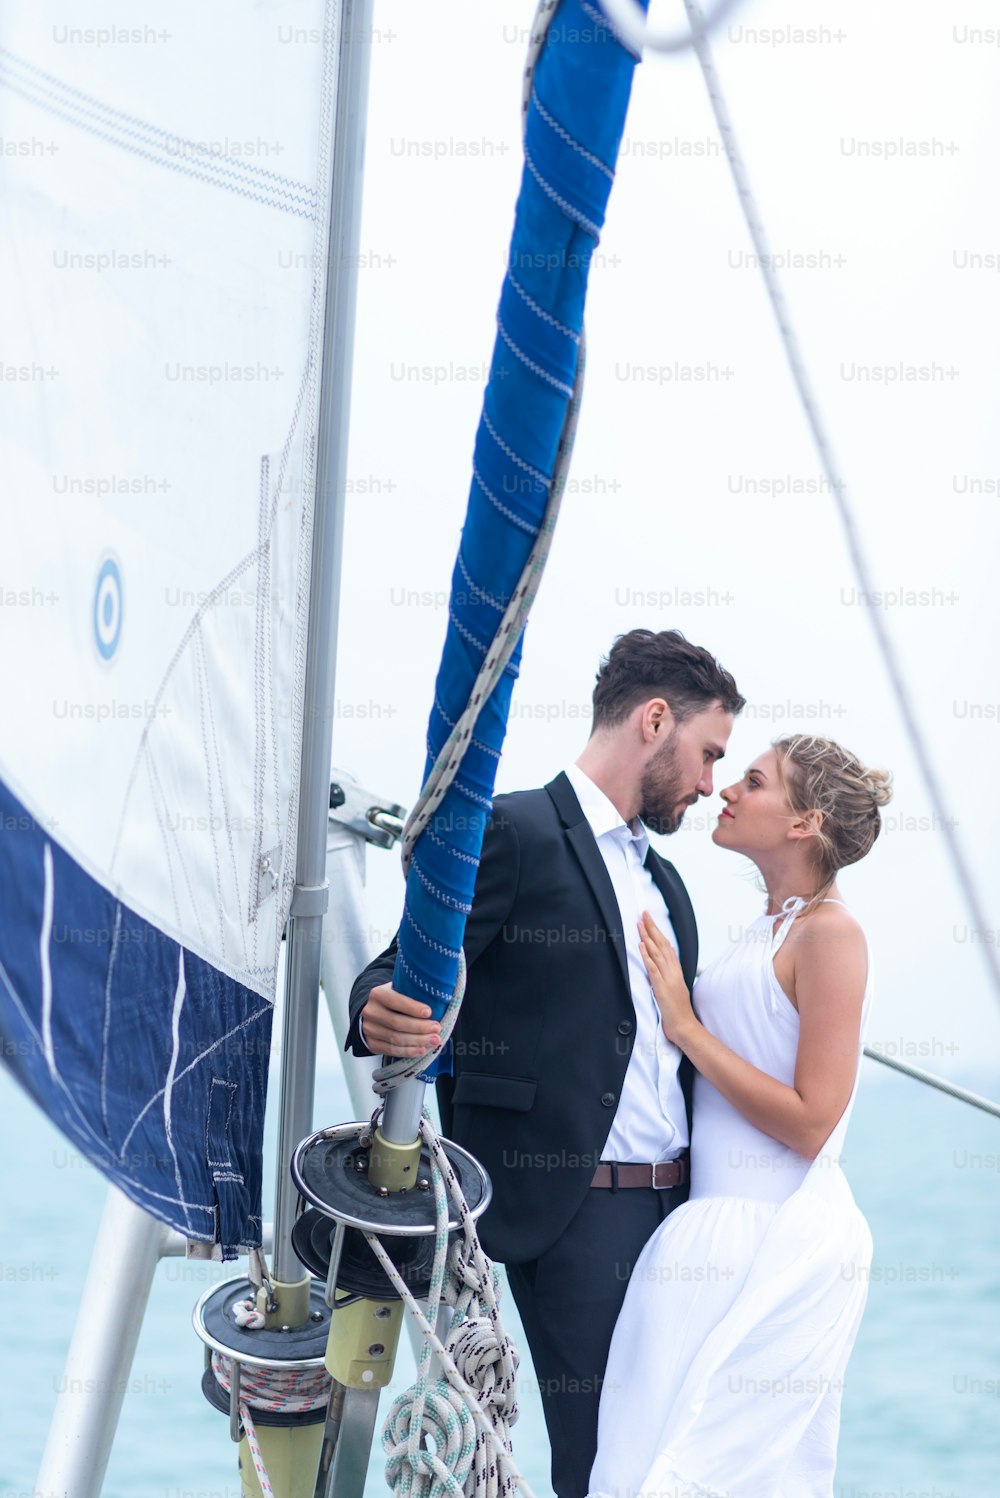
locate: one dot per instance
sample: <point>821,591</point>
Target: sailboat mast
<point>309,900</point>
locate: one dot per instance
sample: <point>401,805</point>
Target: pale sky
<point>695,499</point>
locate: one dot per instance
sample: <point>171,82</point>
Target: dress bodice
<point>739,999</point>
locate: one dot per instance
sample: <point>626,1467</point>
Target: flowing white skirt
<point>725,1374</point>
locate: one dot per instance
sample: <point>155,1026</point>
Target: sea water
<point>921,1415</point>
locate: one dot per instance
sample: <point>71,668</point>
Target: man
<point>565,1087</point>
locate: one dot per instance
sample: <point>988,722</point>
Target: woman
<point>725,1372</point>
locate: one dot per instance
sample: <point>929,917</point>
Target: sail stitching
<point>155,775</point>
<point>536,369</point>
<point>199,678</point>
<point>561,203</point>
<point>508,514</point>
<point>146,759</point>
<point>222,792</point>
<point>153,144</point>
<point>45,958</point>
<point>230,163</point>
<point>151,1102</point>
<point>106,1028</point>
<point>569,140</point>
<point>168,1090</point>
<point>175,166</point>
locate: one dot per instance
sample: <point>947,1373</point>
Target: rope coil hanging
<point>453,1436</point>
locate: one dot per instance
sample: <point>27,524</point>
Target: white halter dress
<point>726,1368</point>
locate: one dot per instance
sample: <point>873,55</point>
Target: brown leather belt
<point>661,1176</point>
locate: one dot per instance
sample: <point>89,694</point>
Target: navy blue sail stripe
<point>126,1040</point>
<point>573,131</point>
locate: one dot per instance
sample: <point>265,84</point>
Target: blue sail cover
<point>166,221</point>
<point>574,126</point>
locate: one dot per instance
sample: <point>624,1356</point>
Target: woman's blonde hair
<point>820,775</point>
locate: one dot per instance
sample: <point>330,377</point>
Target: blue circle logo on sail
<point>108,609</point>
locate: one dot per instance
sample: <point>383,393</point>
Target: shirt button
<point>625,1027</point>
<point>608,1099</point>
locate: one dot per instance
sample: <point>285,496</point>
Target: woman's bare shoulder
<point>828,927</point>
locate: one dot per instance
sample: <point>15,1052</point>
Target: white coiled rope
<point>452,1437</point>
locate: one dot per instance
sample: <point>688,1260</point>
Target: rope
<point>962,1093</point>
<point>284,1391</point>
<point>824,448</point>
<point>245,1314</point>
<point>452,1437</point>
<point>633,30</point>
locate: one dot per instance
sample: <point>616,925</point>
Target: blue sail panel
<point>150,1060</point>
<point>573,131</point>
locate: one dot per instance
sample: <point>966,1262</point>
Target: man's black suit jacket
<point>546,1029</point>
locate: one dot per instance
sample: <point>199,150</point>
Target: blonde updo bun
<point>881,786</point>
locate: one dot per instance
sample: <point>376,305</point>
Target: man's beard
<point>661,790</point>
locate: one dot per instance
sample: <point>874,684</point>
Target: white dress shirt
<point>650,1122</point>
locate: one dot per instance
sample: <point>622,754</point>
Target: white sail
<point>163,250</point>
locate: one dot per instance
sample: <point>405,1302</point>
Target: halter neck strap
<point>789,910</point>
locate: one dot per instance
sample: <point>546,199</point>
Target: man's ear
<point>655,720</point>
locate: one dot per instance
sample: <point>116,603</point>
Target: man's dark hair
<point>645,664</point>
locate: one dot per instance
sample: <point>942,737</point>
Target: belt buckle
<point>656,1166</point>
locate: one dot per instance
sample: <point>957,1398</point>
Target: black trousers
<point>569,1300</point>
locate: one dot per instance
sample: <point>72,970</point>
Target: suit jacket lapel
<point>581,839</point>
<point>678,902</point>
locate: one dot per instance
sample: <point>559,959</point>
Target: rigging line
<point>831,468</point>
<point>631,26</point>
<point>962,1093</point>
